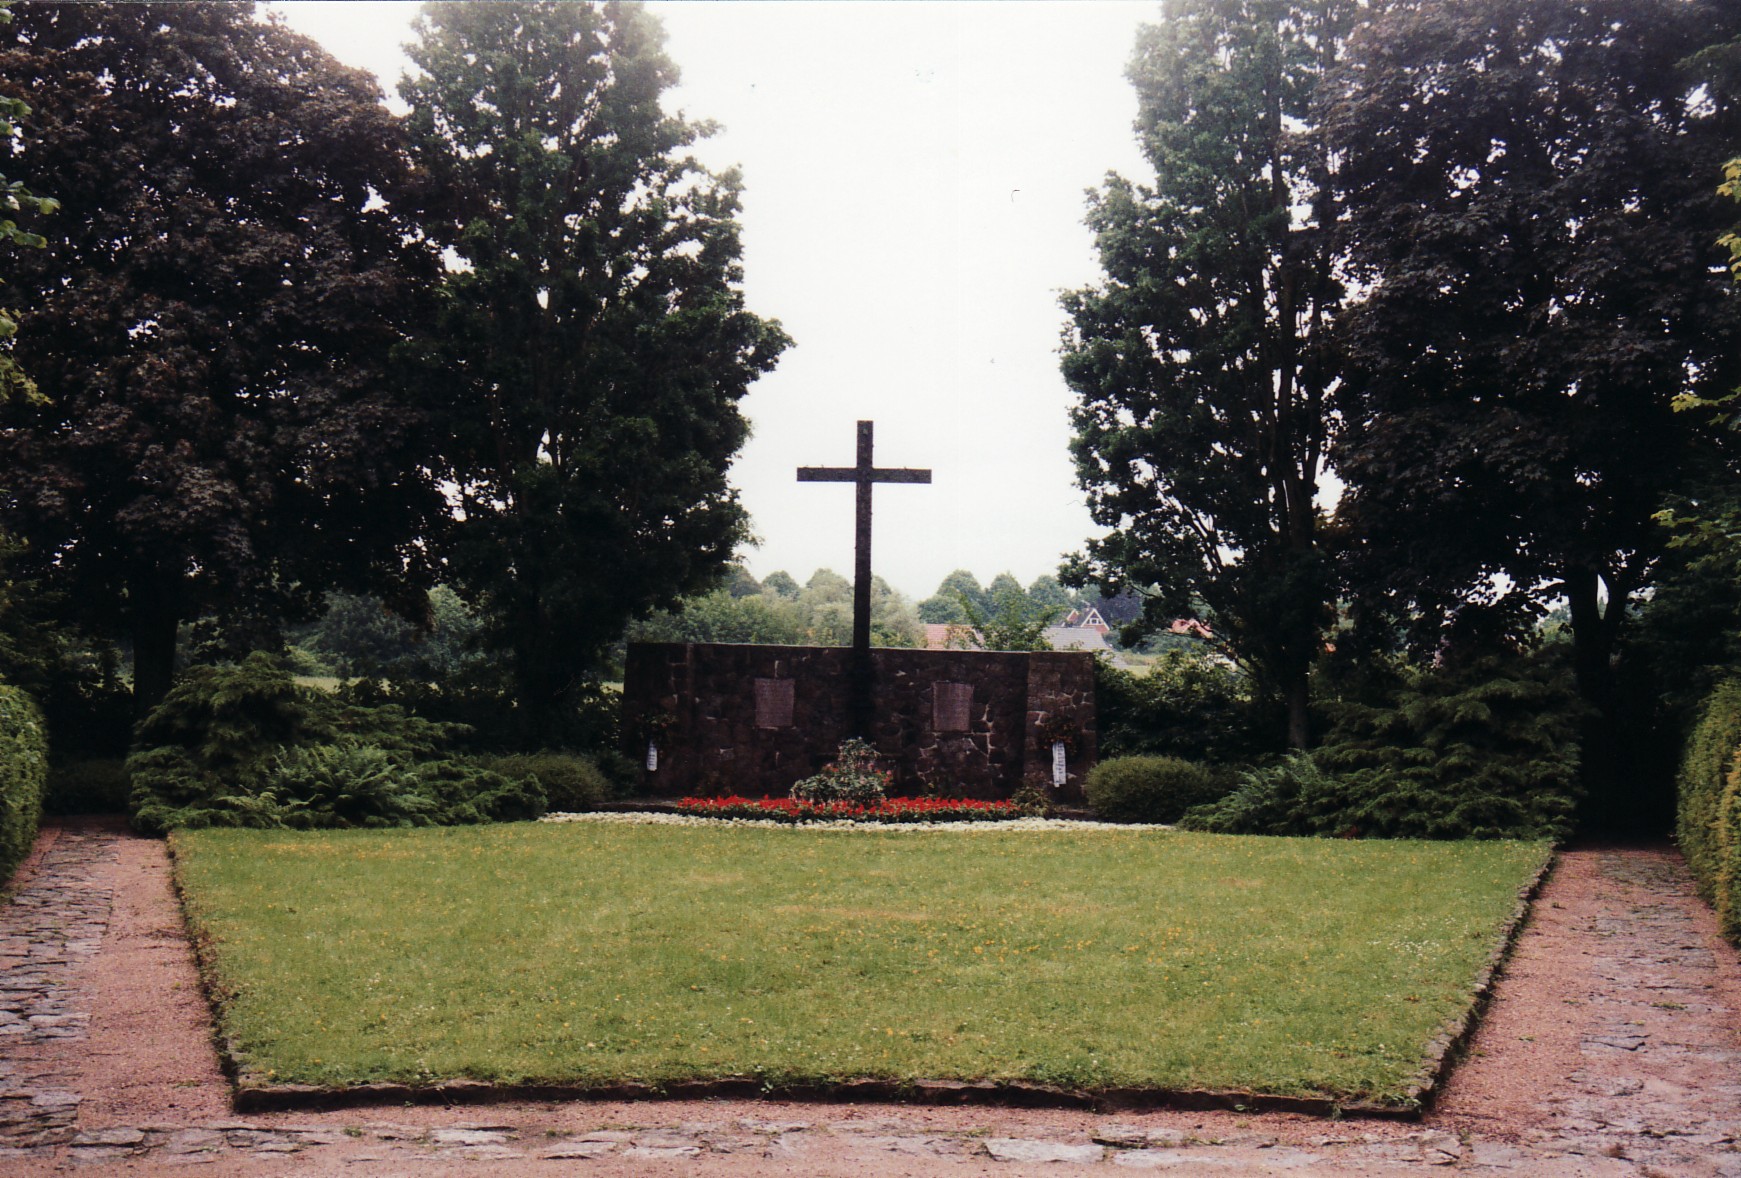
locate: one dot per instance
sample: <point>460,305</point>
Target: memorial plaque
<point>951,707</point>
<point>774,703</point>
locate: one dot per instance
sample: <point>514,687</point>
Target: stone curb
<point>251,1096</point>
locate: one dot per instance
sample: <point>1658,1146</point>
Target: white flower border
<point>644,818</point>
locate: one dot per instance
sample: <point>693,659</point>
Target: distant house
<point>1084,619</point>
<point>1191,628</point>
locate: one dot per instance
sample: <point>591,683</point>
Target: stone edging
<point>1449,1044</point>
<point>252,1094</point>
<point>254,1097</point>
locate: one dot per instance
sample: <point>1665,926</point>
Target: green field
<point>589,953</point>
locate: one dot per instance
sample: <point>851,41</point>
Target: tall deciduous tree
<point>1201,362</point>
<point>596,343</point>
<point>210,322</point>
<point>16,199</point>
<point>1531,212</point>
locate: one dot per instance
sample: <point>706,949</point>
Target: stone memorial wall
<point>752,720</point>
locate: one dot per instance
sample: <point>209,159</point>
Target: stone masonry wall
<point>752,720</point>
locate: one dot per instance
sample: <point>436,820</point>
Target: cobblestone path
<point>53,925</point>
<point>1611,1050</point>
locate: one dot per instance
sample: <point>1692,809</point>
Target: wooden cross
<point>865,475</point>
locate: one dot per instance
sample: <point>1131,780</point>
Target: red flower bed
<point>887,810</point>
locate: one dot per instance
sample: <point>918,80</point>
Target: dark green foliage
<point>1281,797</point>
<point>246,746</point>
<point>1150,789</point>
<point>16,199</point>
<point>211,325</point>
<point>23,776</point>
<point>1531,206</point>
<point>1485,751</point>
<point>592,351</point>
<point>88,787</point>
<point>465,793</point>
<point>360,635</point>
<point>1708,819</point>
<point>1189,705</point>
<point>325,785</point>
<point>1201,364</point>
<point>571,783</point>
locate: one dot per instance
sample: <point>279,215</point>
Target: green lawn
<point>587,953</point>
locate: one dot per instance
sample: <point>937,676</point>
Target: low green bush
<point>244,745</point>
<point>23,774</point>
<point>571,783</point>
<point>467,793</point>
<point>1188,705</point>
<point>328,785</point>
<point>98,786</point>
<point>1708,813</point>
<point>853,777</point>
<point>1489,750</point>
<point>1150,789</point>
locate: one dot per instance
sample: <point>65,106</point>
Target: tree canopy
<point>210,323</point>
<point>1531,219</point>
<point>1202,364</point>
<point>593,344</point>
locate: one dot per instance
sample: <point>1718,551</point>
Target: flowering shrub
<point>882,810</point>
<point>853,778</point>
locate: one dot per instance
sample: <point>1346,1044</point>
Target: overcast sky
<point>914,176</point>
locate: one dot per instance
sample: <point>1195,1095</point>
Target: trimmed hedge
<point>1708,816</point>
<point>571,782</point>
<point>23,775</point>
<point>1151,789</point>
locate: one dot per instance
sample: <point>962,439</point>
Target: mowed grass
<point>588,953</point>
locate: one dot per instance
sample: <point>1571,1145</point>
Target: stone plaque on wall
<point>774,703</point>
<point>951,707</point>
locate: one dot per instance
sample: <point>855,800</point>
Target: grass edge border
<point>252,1094</point>
<point>1448,1047</point>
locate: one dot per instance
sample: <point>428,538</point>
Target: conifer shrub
<point>1281,797</point>
<point>23,774</point>
<point>1485,751</point>
<point>1150,789</point>
<point>1708,810</point>
<point>245,745</point>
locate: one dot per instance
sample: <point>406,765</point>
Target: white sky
<point>914,176</point>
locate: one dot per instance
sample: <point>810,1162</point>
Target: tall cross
<point>864,475</point>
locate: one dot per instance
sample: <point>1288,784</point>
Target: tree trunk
<point>152,622</point>
<point>1298,696</point>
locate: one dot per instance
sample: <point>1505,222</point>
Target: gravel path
<point>1611,1049</point>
